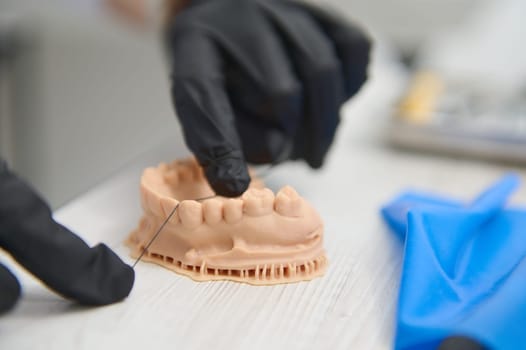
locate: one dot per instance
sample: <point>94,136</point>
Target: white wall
<point>87,96</point>
<point>406,23</point>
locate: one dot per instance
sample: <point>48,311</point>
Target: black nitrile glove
<point>460,343</point>
<point>261,81</point>
<point>90,276</point>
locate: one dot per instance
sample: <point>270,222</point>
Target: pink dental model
<point>258,238</point>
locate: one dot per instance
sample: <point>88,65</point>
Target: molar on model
<point>257,202</point>
<point>259,238</point>
<point>288,202</point>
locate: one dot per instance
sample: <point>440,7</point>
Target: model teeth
<point>260,238</point>
<point>233,210</point>
<point>154,204</point>
<point>144,199</point>
<point>288,202</point>
<point>171,177</point>
<point>168,205</point>
<point>190,213</point>
<point>258,201</point>
<point>213,211</point>
<point>188,170</point>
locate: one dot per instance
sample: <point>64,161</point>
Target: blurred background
<point>84,84</point>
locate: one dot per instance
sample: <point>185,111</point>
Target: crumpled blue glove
<point>464,270</point>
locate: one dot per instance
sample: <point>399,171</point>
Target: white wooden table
<point>351,307</point>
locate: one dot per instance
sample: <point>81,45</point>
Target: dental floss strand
<point>162,226</point>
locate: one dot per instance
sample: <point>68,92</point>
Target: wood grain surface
<point>351,307</point>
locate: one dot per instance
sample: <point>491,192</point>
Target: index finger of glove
<point>204,110</point>
<point>51,252</point>
<point>9,289</point>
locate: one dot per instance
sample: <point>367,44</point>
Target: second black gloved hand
<point>51,252</point>
<point>261,81</point>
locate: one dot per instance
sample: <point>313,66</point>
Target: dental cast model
<point>258,238</point>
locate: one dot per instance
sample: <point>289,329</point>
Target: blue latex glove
<point>464,270</point>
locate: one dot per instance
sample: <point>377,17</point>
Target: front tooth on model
<point>288,202</point>
<point>144,199</point>
<point>154,204</point>
<point>258,202</point>
<point>190,213</point>
<point>213,210</point>
<point>168,205</point>
<point>233,210</point>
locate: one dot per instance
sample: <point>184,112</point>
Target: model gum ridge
<point>259,238</point>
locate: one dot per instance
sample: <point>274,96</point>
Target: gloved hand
<point>90,276</point>
<point>261,81</point>
<point>462,282</point>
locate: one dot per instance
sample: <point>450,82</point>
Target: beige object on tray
<point>259,238</point>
